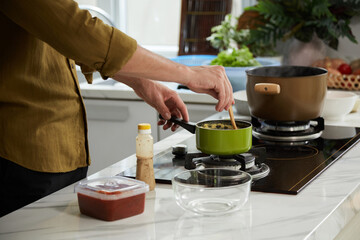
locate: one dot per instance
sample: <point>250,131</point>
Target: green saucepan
<point>218,137</point>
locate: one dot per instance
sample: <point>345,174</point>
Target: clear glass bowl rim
<point>194,186</point>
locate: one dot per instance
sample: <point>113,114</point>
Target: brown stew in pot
<point>221,125</point>
<point>217,126</point>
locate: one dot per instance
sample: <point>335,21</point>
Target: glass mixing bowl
<point>212,191</point>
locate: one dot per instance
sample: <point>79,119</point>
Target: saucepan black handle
<point>191,127</point>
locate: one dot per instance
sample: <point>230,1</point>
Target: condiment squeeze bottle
<point>144,155</point>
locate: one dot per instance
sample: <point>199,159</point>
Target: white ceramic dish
<point>212,191</point>
<point>241,104</point>
<point>338,104</point>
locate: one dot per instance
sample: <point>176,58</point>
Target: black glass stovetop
<point>292,165</point>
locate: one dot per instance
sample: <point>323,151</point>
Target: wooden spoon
<point>231,113</point>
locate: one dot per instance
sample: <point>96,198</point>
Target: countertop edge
<point>337,219</point>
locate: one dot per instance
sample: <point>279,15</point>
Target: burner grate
<point>287,131</point>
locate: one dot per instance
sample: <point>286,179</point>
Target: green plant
<point>227,36</point>
<point>235,58</point>
<point>301,19</point>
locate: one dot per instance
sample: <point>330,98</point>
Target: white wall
<point>347,49</point>
<point>154,22</point>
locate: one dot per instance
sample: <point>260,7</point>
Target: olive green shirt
<point>42,114</point>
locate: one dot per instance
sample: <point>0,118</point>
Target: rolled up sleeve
<point>73,32</point>
<point>118,42</point>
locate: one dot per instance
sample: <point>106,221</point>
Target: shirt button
<point>72,66</point>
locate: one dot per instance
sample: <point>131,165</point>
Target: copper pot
<point>286,93</point>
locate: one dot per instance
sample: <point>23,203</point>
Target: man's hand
<point>211,80</point>
<point>166,101</point>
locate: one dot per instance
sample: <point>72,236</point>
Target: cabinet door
<point>113,128</point>
<point>197,112</point>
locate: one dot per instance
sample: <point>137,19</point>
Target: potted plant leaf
<point>311,24</point>
<point>234,55</point>
<point>229,35</point>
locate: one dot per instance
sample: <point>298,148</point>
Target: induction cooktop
<point>293,165</point>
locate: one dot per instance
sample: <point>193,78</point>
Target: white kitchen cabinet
<point>112,128</point>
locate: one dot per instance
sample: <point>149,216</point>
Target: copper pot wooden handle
<point>267,88</point>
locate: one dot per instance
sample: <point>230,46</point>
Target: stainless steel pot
<point>286,93</point>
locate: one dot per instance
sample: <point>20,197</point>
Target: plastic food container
<point>111,198</point>
<point>212,191</point>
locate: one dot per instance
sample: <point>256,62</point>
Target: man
<point>43,130</point>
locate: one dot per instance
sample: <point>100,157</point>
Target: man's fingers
<point>161,122</point>
<point>181,109</point>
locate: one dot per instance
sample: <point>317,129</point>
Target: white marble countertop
<point>319,211</point>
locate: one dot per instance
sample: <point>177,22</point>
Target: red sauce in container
<point>112,198</point>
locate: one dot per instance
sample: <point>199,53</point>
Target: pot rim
<point>250,72</point>
<point>249,125</point>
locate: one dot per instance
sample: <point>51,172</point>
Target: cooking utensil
<point>211,191</point>
<point>286,93</point>
<point>232,119</point>
<point>219,141</point>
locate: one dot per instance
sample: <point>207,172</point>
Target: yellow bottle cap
<point>144,126</point>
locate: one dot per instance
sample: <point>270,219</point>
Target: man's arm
<point>76,35</point>
<point>73,32</point>
<point>211,80</point>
